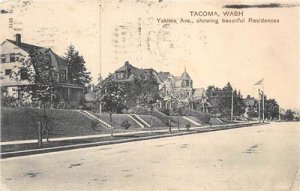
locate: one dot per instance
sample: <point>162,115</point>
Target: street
<point>254,158</point>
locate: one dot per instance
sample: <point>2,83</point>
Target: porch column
<point>69,95</point>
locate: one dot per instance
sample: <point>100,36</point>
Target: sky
<point>128,30</point>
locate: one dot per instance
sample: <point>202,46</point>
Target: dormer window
<point>120,75</point>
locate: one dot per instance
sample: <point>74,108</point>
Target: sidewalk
<point>96,136</point>
<point>29,147</point>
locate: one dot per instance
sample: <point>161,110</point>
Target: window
<point>63,76</point>
<point>24,74</point>
<point>120,75</point>
<point>187,84</point>
<point>12,57</point>
<point>3,58</point>
<point>7,72</point>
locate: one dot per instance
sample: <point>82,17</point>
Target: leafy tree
<point>289,116</point>
<point>147,92</point>
<point>38,72</point>
<point>221,98</point>
<point>112,95</point>
<point>212,94</point>
<point>77,73</point>
<point>225,97</point>
<point>238,104</point>
<point>271,108</point>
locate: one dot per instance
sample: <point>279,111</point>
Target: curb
<point>102,143</point>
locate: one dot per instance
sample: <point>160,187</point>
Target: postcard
<point>150,95</point>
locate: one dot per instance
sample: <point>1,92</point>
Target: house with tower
<point>179,88</point>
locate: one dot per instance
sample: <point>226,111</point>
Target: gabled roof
<point>136,73</point>
<point>185,76</point>
<point>126,66</point>
<point>163,76</point>
<point>26,47</point>
<point>60,60</point>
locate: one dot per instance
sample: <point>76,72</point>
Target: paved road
<point>255,158</point>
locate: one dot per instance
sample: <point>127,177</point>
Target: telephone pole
<point>279,117</point>
<point>263,102</point>
<point>259,104</point>
<point>231,105</point>
<point>100,54</point>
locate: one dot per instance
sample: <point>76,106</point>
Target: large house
<point>171,87</point>
<point>14,52</point>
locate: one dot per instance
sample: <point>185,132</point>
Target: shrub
<point>167,123</point>
<point>139,111</point>
<point>8,101</point>
<point>124,111</point>
<point>165,111</point>
<point>125,124</point>
<point>94,125</point>
<point>188,126</point>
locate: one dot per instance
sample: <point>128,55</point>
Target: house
<point>181,88</point>
<point>128,73</point>
<point>171,87</point>
<point>14,52</point>
<point>251,106</point>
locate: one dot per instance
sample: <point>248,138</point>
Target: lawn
<point>182,122</point>
<point>155,121</point>
<point>117,120</point>
<point>21,123</point>
<point>195,119</point>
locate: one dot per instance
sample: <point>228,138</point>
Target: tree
<point>112,95</point>
<point>271,108</point>
<point>38,72</point>
<point>77,73</point>
<point>238,104</point>
<point>147,92</point>
<point>226,98</point>
<point>213,98</point>
<point>289,116</point>
<point>221,100</point>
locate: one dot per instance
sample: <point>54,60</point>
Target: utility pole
<point>100,54</point>
<point>151,122</point>
<point>259,105</point>
<point>111,125</point>
<point>263,102</point>
<point>279,117</point>
<point>203,108</point>
<point>100,108</point>
<point>231,105</point>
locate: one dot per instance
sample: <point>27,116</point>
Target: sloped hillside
<point>21,123</point>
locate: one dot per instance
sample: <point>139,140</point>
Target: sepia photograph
<point>150,95</point>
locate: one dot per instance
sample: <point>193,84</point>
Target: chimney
<point>18,39</point>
